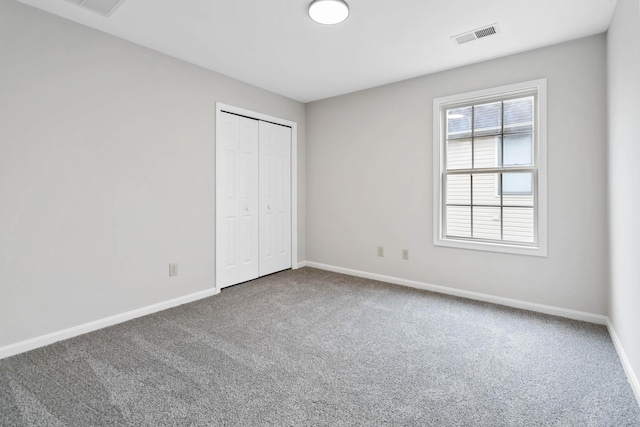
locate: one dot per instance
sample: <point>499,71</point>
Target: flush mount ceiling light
<point>328,12</point>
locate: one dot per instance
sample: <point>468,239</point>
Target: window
<point>490,169</point>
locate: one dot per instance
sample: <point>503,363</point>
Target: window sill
<point>492,247</point>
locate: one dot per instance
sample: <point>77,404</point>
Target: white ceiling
<point>274,45</point>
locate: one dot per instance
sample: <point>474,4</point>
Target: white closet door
<point>237,200</point>
<point>275,198</point>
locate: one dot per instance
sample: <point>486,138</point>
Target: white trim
<point>41,341</point>
<point>525,305</point>
<point>294,165</point>
<point>631,376</point>
<point>302,264</point>
<point>540,249</point>
<point>490,247</point>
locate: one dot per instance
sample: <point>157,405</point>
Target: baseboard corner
<point>626,365</point>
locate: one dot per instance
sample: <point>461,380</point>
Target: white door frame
<point>220,108</point>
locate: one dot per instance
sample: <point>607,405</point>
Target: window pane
<point>518,115</point>
<point>486,189</point>
<point>487,119</point>
<point>486,152</point>
<point>459,221</point>
<point>520,183</point>
<point>459,154</point>
<point>518,224</point>
<point>459,122</point>
<point>518,150</point>
<point>458,190</point>
<point>524,181</point>
<point>486,223</point>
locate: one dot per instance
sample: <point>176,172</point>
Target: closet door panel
<point>275,198</point>
<point>237,201</point>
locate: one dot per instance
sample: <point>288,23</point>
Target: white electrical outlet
<point>380,250</point>
<point>173,270</point>
<point>405,254</point>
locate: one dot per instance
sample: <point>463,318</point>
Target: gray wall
<point>623,49</point>
<point>369,181</point>
<point>106,173</point>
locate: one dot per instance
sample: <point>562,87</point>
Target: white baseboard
<point>302,264</point>
<point>525,305</point>
<point>631,376</point>
<point>33,343</point>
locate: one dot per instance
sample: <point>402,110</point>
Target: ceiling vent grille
<point>476,34</point>
<point>101,7</point>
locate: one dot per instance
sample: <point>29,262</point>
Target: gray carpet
<point>309,347</point>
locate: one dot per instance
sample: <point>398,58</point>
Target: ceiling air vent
<point>101,7</point>
<point>476,34</point>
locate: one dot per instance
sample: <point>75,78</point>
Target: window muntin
<point>489,170</point>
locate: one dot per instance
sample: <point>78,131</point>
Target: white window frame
<point>539,89</point>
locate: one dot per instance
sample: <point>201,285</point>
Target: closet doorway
<point>255,195</point>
